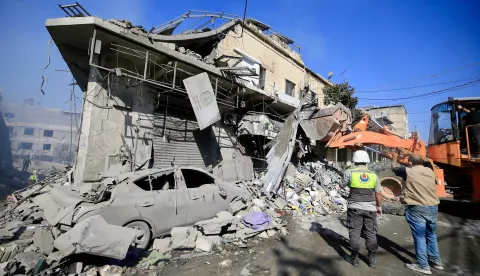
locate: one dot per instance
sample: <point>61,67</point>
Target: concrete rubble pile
<point>312,189</point>
<point>36,236</point>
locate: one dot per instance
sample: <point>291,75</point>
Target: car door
<point>163,209</point>
<point>203,195</point>
<point>171,203</point>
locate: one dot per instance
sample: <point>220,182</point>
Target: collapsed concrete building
<point>137,112</point>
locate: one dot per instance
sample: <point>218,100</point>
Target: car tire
<point>142,241</point>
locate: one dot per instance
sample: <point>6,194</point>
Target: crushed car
<point>151,201</point>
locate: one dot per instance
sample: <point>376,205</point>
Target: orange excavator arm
<point>384,137</point>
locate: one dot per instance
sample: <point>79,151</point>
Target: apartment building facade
<point>43,133</point>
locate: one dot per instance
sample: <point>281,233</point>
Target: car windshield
<point>441,127</point>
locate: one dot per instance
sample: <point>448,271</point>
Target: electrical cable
<point>428,96</point>
<point>413,87</point>
<point>467,84</point>
<point>429,76</point>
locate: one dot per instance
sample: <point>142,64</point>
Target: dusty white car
<point>152,201</point>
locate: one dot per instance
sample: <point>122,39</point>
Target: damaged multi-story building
<point>137,112</point>
<point>43,133</point>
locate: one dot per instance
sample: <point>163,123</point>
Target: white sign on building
<point>202,98</point>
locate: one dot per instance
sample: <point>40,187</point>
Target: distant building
<point>394,117</point>
<point>44,133</point>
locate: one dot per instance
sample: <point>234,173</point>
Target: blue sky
<point>384,44</point>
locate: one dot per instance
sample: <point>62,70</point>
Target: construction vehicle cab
<point>454,145</point>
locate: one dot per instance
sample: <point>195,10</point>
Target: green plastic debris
<point>154,257</point>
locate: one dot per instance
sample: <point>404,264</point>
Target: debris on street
<point>177,186</point>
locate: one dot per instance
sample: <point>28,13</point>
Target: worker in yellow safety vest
<point>364,203</point>
<point>33,178</point>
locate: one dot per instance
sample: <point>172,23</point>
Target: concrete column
<point>105,120</point>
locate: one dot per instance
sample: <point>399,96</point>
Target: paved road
<point>315,247</point>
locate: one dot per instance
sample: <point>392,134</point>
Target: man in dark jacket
<point>26,163</point>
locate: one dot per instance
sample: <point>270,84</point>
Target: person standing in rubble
<point>26,163</point>
<point>364,204</point>
<point>421,210</point>
<point>33,178</point>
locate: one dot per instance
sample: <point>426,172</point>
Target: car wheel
<point>143,239</point>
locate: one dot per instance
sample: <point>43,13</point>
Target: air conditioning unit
<point>230,119</point>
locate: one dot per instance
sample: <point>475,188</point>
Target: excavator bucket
<point>323,124</point>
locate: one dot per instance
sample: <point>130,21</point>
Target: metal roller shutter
<point>177,139</point>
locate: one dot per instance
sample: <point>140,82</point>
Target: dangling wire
<point>44,80</point>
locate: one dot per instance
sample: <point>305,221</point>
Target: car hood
<point>60,205</point>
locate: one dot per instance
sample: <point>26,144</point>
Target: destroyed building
<point>47,134</point>
<point>138,85</point>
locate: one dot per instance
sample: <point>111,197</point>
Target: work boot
<point>353,259</point>
<point>371,261</point>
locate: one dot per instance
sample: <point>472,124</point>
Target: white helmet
<point>360,156</point>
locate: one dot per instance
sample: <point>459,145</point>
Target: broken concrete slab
<point>263,235</point>
<point>214,226</point>
<point>259,203</point>
<point>57,256</point>
<point>236,206</point>
<point>43,239</point>
<point>204,244</point>
<point>95,236</point>
<point>41,200</point>
<point>162,245</point>
<point>183,237</point>
<point>14,224</point>
<point>5,234</point>
<point>37,216</point>
<point>224,215</point>
<point>215,240</point>
<point>271,233</point>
